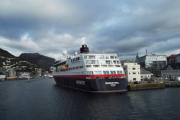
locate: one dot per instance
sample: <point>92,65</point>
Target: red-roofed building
<point>174,61</point>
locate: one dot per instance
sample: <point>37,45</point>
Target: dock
<point>172,84</point>
<point>146,86</point>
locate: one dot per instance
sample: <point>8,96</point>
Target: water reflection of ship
<point>92,72</point>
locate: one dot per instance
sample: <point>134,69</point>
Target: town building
<point>152,62</point>
<point>174,61</point>
<point>170,74</point>
<point>11,72</point>
<point>2,76</point>
<point>132,71</point>
<point>145,75</point>
<point>24,75</point>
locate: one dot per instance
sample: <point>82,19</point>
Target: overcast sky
<point>122,26</point>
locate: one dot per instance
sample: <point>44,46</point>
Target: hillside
<point>38,59</point>
<point>4,53</point>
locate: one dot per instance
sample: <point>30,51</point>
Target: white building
<point>153,60</point>
<point>2,77</point>
<point>132,71</point>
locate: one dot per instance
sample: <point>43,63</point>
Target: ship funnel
<point>84,49</point>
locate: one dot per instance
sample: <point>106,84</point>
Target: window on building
<point>134,79</point>
<point>134,72</point>
<point>134,68</point>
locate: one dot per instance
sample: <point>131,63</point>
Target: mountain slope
<point>38,59</point>
<point>4,53</point>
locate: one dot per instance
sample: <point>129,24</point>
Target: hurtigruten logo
<point>112,84</point>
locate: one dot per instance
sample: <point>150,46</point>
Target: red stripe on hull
<point>91,76</point>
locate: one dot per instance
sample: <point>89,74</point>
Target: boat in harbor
<point>91,72</point>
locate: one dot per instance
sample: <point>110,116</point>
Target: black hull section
<point>94,85</point>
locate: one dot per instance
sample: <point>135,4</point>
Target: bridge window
<point>91,57</point>
<point>85,57</point>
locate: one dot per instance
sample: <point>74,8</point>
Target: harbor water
<point>41,99</point>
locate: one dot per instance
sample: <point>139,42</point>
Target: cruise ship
<point>91,72</point>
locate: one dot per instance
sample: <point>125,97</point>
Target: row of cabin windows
<point>99,57</point>
<point>112,62</point>
<point>104,72</point>
<point>108,62</point>
<point>102,66</point>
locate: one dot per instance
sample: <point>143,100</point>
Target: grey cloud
<point>125,27</point>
